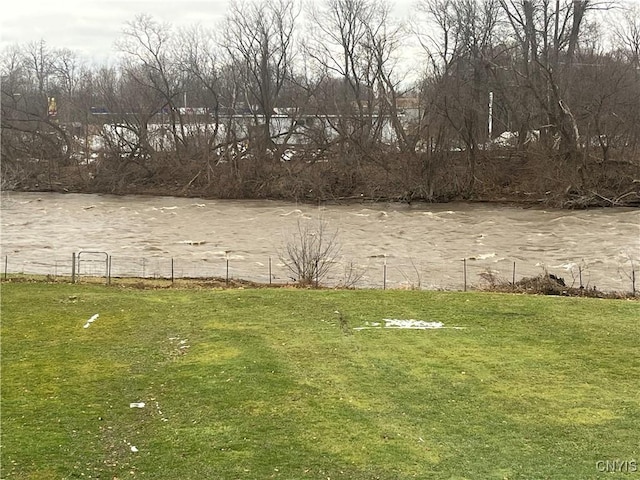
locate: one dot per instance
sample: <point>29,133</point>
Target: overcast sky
<point>90,27</point>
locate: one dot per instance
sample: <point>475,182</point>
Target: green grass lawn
<point>269,383</point>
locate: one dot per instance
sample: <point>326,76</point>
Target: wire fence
<point>375,273</point>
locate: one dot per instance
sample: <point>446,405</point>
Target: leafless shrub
<point>417,285</point>
<point>629,272</point>
<point>311,252</point>
<point>579,273</point>
<point>492,280</point>
<point>352,275</point>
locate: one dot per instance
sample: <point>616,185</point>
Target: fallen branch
<point>637,194</point>
<point>612,202</point>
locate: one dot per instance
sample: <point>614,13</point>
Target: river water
<point>392,245</point>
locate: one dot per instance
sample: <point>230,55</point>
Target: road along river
<point>392,245</point>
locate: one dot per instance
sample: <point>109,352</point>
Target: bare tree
<point>350,42</point>
<point>626,33</point>
<point>198,56</point>
<point>548,35</point>
<point>310,252</point>
<point>460,50</point>
<point>127,130</point>
<point>148,61</point>
<point>627,39</point>
<point>261,34</point>
<point>32,136</point>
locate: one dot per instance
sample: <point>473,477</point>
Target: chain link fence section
<point>375,273</point>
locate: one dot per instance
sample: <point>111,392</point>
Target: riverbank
<point>561,200</point>
<point>497,178</point>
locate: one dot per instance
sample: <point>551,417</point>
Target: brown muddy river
<point>416,246</point>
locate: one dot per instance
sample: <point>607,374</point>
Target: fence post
<point>109,270</point>
<point>227,278</point>
<point>172,271</point>
<point>6,264</point>
<point>464,267</point>
<point>384,275</point>
<point>513,280</point>
<point>580,275</point>
<point>269,270</point>
<point>73,267</point>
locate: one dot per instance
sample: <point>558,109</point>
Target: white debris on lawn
<point>410,323</point>
<point>405,324</point>
<point>133,448</point>
<point>137,405</point>
<point>182,344</point>
<point>164,419</point>
<point>91,320</point>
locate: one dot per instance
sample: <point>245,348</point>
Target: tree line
<point>337,99</point>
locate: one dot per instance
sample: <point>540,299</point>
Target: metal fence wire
<point>374,273</point>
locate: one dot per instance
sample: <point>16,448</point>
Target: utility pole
<point>490,115</point>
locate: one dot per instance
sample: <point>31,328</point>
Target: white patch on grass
<point>137,405</point>
<point>164,419</point>
<point>91,320</point>
<point>133,448</point>
<point>182,344</point>
<point>410,324</point>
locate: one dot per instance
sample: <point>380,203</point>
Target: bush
<point>311,252</point>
